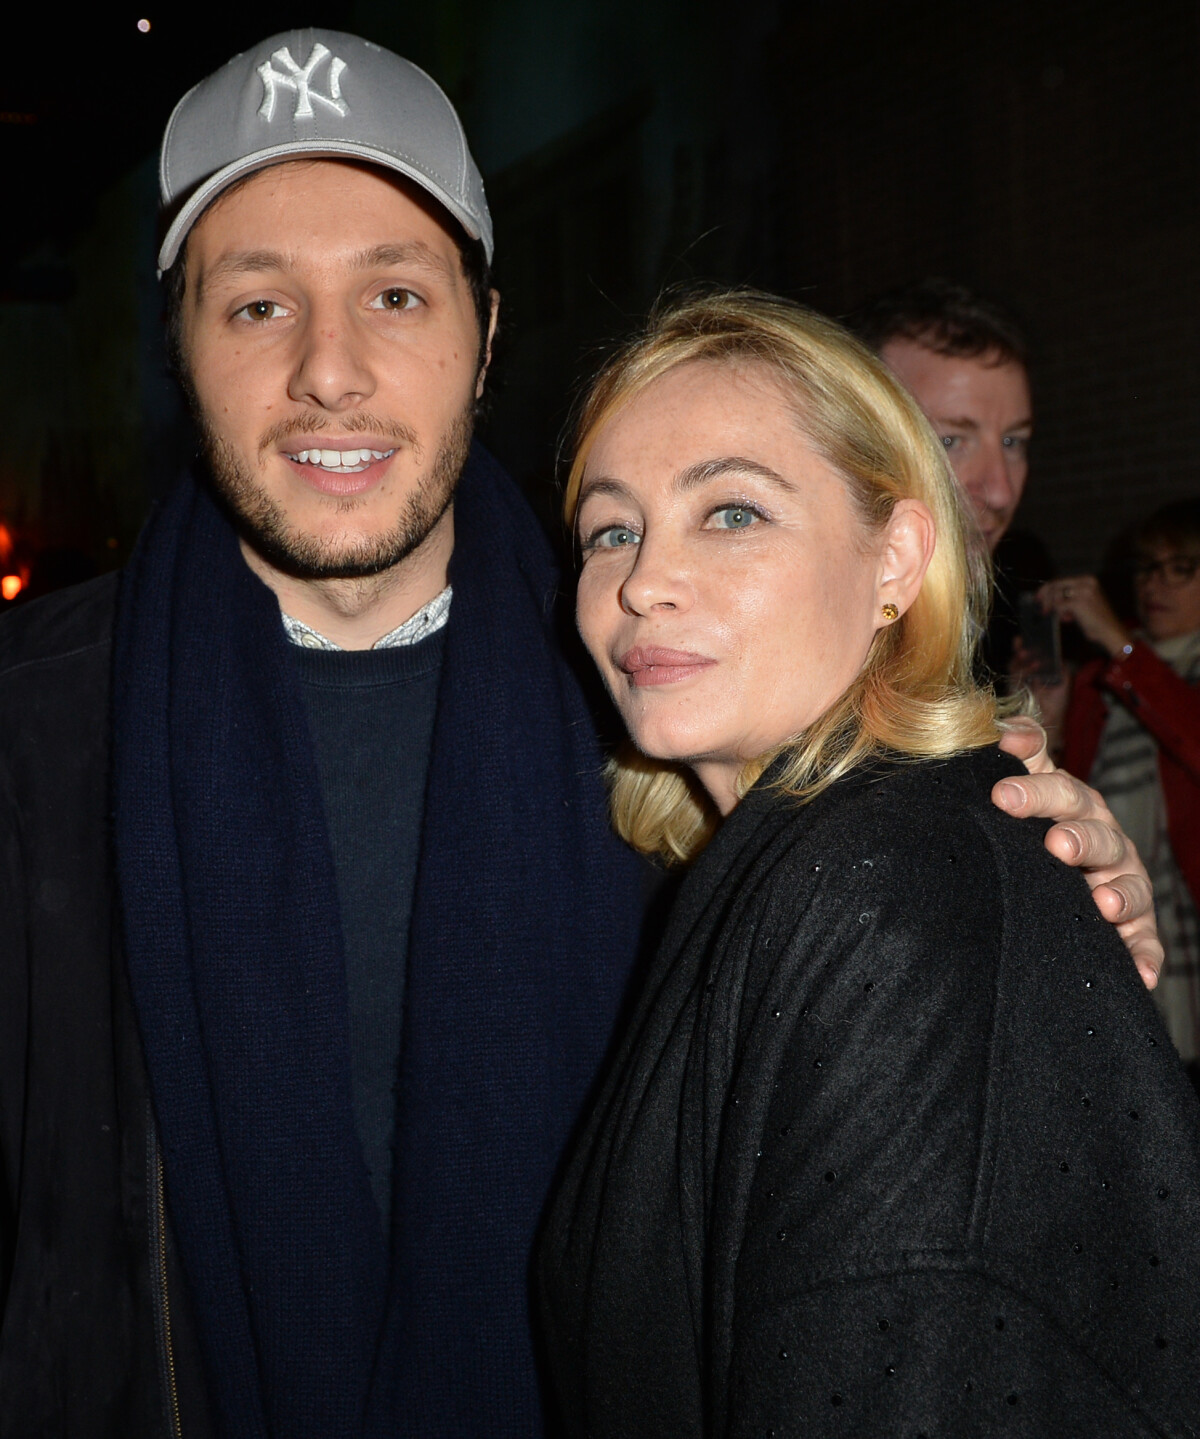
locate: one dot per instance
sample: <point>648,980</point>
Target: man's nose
<point>991,482</point>
<point>332,370</point>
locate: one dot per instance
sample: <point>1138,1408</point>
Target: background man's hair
<point>944,316</point>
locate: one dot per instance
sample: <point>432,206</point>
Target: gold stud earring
<point>890,612</point>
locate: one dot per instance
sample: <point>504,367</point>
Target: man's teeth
<point>341,462</point>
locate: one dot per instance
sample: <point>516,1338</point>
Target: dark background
<point>1048,154</point>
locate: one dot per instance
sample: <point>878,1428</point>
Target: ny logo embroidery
<point>300,80</point>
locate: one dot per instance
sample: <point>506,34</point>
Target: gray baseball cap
<point>315,93</point>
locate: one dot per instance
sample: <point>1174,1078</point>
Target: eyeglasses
<point>1174,570</point>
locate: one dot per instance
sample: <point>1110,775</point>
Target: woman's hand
<point>1080,599</point>
<point>1085,835</point>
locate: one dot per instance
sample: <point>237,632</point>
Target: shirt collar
<point>427,621</point>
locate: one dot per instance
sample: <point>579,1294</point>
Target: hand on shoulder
<point>1086,835</point>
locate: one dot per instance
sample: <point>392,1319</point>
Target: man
<point>965,362</point>
<point>314,929</point>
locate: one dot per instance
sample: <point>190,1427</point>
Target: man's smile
<point>340,462</point>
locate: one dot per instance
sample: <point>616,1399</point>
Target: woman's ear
<point>908,545</point>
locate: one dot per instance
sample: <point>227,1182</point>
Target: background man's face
<point>981,409</point>
<point>332,346</point>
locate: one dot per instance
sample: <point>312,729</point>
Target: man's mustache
<point>355,422</point>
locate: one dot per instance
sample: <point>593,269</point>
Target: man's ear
<point>908,546</point>
<point>487,348</point>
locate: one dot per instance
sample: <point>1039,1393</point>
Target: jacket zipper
<point>158,1259</point>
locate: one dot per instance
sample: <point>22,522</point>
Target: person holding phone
<point>1130,726</point>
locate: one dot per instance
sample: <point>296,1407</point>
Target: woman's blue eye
<point>733,517</point>
<point>616,537</point>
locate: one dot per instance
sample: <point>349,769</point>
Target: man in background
<point>965,361</point>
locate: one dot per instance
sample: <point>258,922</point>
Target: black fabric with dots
<point>895,1144</point>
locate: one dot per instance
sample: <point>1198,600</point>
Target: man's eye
<point>261,310</point>
<point>614,537</point>
<point>734,517</point>
<point>1016,442</point>
<point>394,298</point>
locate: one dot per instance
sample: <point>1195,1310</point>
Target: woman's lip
<point>652,665</point>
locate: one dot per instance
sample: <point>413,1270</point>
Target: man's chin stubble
<point>263,523</point>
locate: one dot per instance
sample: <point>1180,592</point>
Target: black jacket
<point>96,1337</point>
<point>895,1145</point>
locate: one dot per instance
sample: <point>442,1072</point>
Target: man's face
<point>332,345</point>
<point>981,409</point>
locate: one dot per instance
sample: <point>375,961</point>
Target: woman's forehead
<point>702,396</point>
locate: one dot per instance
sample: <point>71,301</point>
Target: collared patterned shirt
<point>427,621</point>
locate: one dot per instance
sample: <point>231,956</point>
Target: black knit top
<point>371,716</point>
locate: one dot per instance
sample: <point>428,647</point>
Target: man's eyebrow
<point>240,262</point>
<point>410,252</point>
<point>258,262</point>
<point>966,423</point>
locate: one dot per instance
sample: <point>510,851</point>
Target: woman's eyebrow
<point>705,470</point>
<point>602,485</point>
<point>695,475</point>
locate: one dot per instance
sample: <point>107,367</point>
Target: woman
<point>1133,728</point>
<point>894,1142</point>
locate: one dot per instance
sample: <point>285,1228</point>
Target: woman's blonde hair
<point>915,693</point>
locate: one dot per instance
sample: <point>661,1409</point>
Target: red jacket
<point>1170,709</point>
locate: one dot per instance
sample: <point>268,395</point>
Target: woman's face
<point>729,588</point>
<point>1167,597</point>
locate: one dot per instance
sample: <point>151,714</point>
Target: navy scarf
<point>524,927</point>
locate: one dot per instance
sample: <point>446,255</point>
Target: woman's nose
<point>659,581</point>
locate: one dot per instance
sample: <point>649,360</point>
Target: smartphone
<point>1041,635</point>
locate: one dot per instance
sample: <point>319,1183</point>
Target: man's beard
<point>264,523</point>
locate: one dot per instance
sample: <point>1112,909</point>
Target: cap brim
<point>205,194</point>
